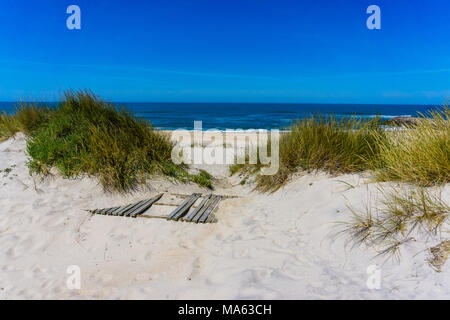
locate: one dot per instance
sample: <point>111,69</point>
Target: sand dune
<point>277,246</point>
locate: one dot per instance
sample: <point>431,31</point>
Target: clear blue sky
<point>228,51</point>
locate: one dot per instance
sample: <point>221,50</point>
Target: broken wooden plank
<point>166,204</point>
<point>181,195</point>
<point>125,210</point>
<point>211,218</point>
<point>183,211</point>
<point>144,207</point>
<point>174,212</point>
<point>114,212</point>
<point>135,208</point>
<point>209,210</point>
<point>200,206</point>
<point>102,211</point>
<point>202,210</point>
<point>95,211</point>
<point>111,210</point>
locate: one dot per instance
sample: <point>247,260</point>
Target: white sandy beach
<point>264,246</point>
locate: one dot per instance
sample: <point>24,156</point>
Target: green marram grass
<point>398,215</point>
<point>9,126</point>
<point>85,135</point>
<point>419,153</point>
<point>326,144</point>
<point>27,118</point>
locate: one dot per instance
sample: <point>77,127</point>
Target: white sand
<point>274,246</point>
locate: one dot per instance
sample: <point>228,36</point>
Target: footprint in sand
<point>46,284</point>
<point>28,294</point>
<point>145,241</point>
<point>142,277</point>
<point>54,222</point>
<point>22,185</point>
<point>259,294</point>
<point>15,252</point>
<point>186,245</point>
<point>38,270</point>
<point>39,203</point>
<point>103,278</point>
<point>9,268</point>
<point>122,231</point>
<point>240,253</point>
<point>148,256</point>
<point>29,244</point>
<point>119,237</point>
<point>293,272</point>
<point>20,208</point>
<point>196,267</point>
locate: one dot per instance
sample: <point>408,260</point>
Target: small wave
<point>385,116</point>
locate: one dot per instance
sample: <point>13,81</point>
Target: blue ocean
<point>170,116</point>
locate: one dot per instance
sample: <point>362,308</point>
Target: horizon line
<point>211,102</point>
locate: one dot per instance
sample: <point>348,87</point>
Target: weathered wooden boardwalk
<point>202,213</point>
<point>132,210</point>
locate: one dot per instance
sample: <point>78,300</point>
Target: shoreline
<point>393,123</point>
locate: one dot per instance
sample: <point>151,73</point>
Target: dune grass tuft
<point>203,178</point>
<point>27,118</point>
<point>418,154</point>
<point>32,115</point>
<point>85,135</point>
<point>397,217</point>
<point>9,126</point>
<point>327,144</point>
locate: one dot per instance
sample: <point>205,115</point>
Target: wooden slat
<point>166,204</point>
<point>186,207</point>
<point>211,218</point>
<point>116,210</point>
<point>136,208</point>
<point>144,207</point>
<point>102,211</point>
<point>209,210</point>
<point>200,206</point>
<point>174,212</point>
<point>95,211</point>
<point>205,207</point>
<point>125,210</point>
<point>108,212</point>
<point>151,203</point>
